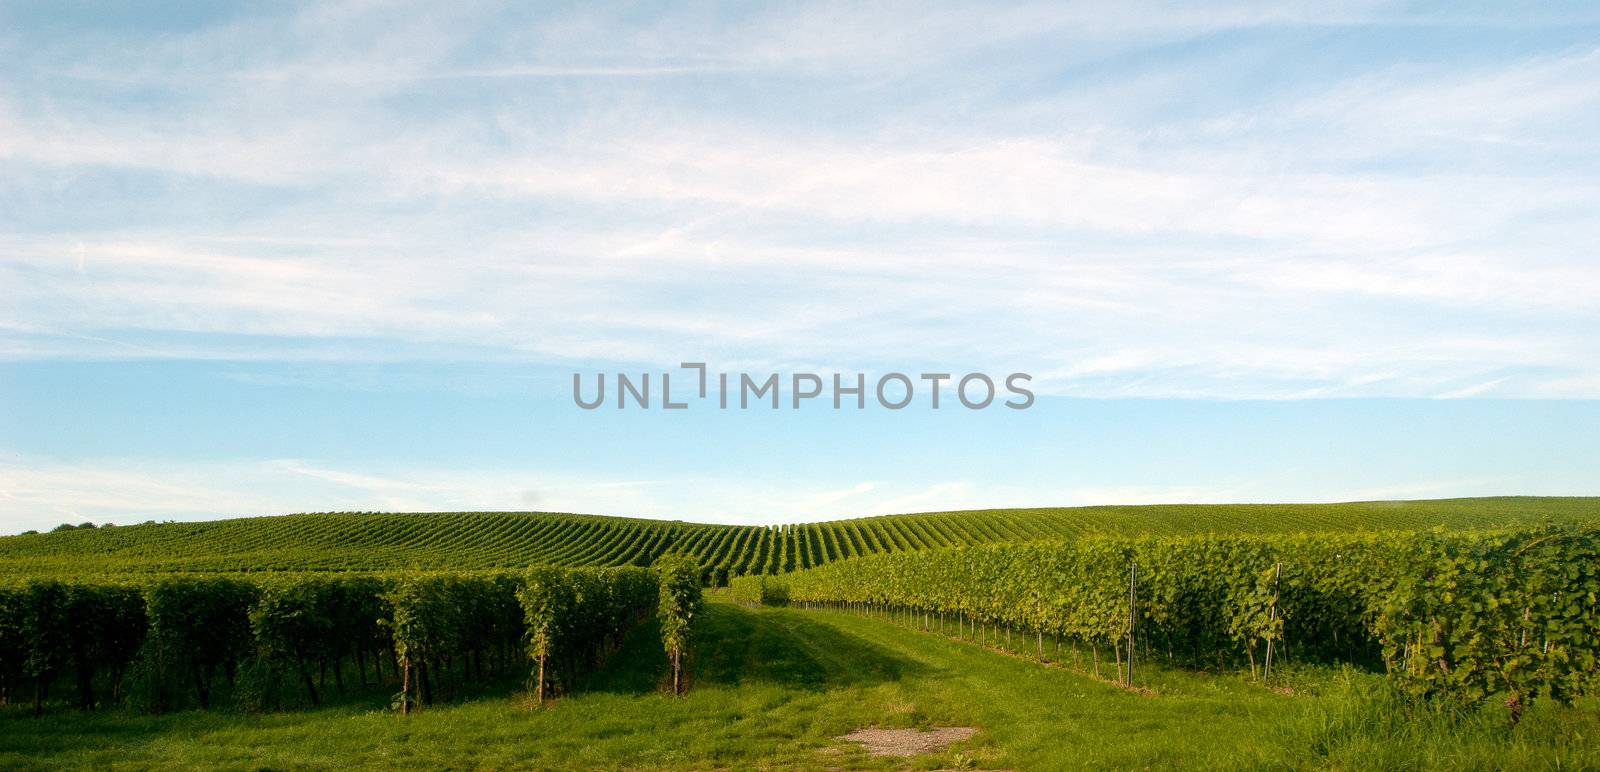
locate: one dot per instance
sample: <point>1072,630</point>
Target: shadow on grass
<point>64,729</point>
<point>734,645</point>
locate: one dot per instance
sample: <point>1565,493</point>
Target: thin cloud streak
<point>796,185</point>
<point>38,495</point>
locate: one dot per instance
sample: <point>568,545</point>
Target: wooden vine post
<point>405,686</point>
<point>1272,621</point>
<point>1133,605</point>
<point>538,690</point>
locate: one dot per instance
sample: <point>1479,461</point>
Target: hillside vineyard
<point>491,540</point>
<point>1454,600</point>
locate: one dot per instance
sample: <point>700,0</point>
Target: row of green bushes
<point>180,642</point>
<point>1467,615</point>
<point>759,589</point>
<point>573,618</point>
<point>48,629</point>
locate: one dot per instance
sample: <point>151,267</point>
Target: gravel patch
<point>908,742</point>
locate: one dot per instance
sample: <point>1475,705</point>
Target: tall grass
<point>1357,721</point>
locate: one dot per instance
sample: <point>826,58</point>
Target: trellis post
<point>1133,604</point>
<point>1272,620</point>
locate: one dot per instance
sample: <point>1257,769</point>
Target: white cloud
<point>1038,187</point>
<point>38,495</point>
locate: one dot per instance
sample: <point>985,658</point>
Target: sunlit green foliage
<point>677,607</point>
<point>516,540</point>
<point>573,618</point>
<point>1466,615</point>
<point>267,642</point>
<point>759,589</point>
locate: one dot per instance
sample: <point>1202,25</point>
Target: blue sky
<point>260,259</point>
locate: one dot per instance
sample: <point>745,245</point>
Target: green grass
<point>475,540</point>
<point>772,687</point>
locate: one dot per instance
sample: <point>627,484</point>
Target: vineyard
<point>1464,615</point>
<point>489,540</point>
<point>270,642</point>
<point>1453,604</point>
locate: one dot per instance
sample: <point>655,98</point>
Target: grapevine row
<point>1468,615</point>
<point>270,641</point>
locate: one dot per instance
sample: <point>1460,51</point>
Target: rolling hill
<point>472,540</point>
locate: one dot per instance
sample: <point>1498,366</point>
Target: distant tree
<point>29,533</point>
<point>87,525</point>
<point>64,527</point>
<point>109,525</point>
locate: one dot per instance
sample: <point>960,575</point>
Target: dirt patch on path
<point>908,742</point>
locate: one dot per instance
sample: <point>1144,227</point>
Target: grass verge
<point>771,688</point>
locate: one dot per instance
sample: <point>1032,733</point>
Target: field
<point>481,540</point>
<point>1451,634</point>
<point>774,687</point>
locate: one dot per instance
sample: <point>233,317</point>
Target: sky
<point>268,258</point>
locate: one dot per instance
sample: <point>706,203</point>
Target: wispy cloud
<point>1123,203</point>
<point>38,494</point>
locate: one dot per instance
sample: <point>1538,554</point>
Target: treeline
<point>270,643</point>
<point>1466,615</point>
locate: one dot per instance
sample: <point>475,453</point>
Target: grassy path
<point>772,687</point>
